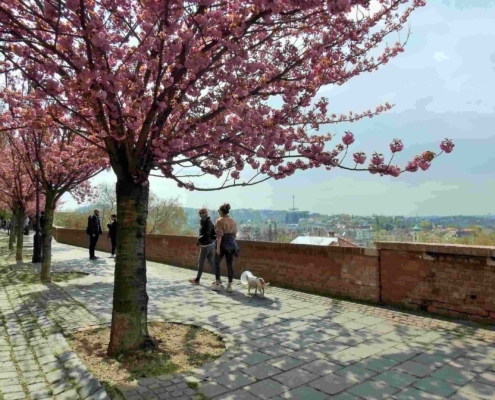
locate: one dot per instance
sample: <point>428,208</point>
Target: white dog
<point>257,284</point>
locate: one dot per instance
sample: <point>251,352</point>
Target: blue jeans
<point>206,253</point>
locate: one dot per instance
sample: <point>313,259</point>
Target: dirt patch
<point>180,348</point>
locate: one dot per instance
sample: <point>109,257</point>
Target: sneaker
<point>216,286</point>
<point>193,281</point>
<point>229,288</point>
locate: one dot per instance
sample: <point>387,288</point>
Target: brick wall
<point>444,279</point>
<point>342,271</point>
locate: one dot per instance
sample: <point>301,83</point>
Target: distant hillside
<point>241,215</point>
<point>86,209</point>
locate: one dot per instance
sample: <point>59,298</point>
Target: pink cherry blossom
<point>359,158</point>
<point>348,138</point>
<point>396,146</point>
<point>393,170</point>
<point>412,166</point>
<point>447,146</point>
<point>377,158</point>
<point>423,164</point>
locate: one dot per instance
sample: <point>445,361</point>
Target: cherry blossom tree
<point>58,159</point>
<point>217,87</point>
<point>16,193</point>
<point>7,203</point>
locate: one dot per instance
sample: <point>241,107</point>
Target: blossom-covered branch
<point>156,82</point>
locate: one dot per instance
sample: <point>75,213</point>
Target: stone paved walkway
<point>289,345</point>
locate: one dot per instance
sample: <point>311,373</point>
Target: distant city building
<point>330,240</point>
<point>363,236</point>
<point>465,233</point>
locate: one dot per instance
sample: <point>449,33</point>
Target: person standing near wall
<point>112,232</point>
<point>226,230</point>
<point>94,232</point>
<point>206,241</point>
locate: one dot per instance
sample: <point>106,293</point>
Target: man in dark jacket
<point>94,232</point>
<point>112,233</point>
<point>206,240</point>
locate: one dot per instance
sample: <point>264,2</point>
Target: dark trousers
<point>229,258</point>
<point>113,239</point>
<point>206,253</point>
<point>92,245</point>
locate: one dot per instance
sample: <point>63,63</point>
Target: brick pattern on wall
<point>449,284</point>
<point>452,280</point>
<point>339,271</point>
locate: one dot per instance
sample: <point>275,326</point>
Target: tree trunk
<point>130,300</point>
<point>46,238</point>
<point>13,224</point>
<point>20,234</point>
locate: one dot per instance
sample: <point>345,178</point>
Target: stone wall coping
<point>454,249</point>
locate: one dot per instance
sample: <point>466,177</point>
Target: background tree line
<point>165,215</point>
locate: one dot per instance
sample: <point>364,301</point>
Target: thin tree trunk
<point>20,234</point>
<point>130,300</point>
<point>46,238</point>
<point>12,235</point>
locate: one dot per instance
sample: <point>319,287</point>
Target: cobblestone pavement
<point>36,361</point>
<point>289,345</point>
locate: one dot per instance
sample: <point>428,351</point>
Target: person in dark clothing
<point>42,219</point>
<point>206,240</point>
<point>42,226</point>
<point>112,232</point>
<point>94,232</point>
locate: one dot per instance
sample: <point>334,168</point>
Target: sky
<point>442,86</point>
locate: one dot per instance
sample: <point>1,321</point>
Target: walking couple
<point>94,231</point>
<point>216,243</point>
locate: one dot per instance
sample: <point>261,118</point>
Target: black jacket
<point>94,227</point>
<point>112,229</point>
<point>206,232</point>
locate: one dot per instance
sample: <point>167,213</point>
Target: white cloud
<point>440,56</point>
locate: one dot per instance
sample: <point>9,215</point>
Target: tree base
<point>149,344</point>
<point>125,338</point>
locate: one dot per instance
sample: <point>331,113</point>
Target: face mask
<point>203,217</point>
